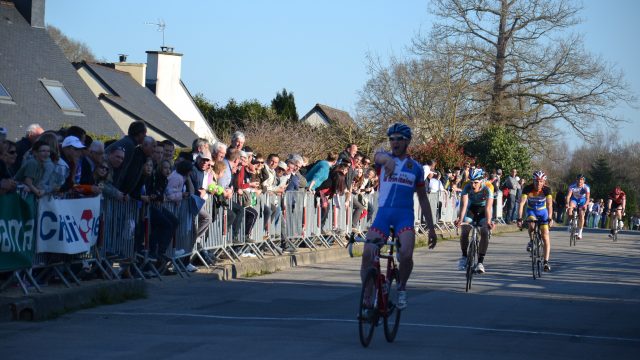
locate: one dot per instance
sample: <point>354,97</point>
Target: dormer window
<point>61,96</point>
<point>5,97</point>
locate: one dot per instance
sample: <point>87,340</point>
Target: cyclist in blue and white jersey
<point>476,203</point>
<point>578,197</point>
<point>400,177</point>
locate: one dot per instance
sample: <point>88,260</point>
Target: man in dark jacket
<point>135,135</point>
<point>22,146</point>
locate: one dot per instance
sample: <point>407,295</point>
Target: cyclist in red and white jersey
<point>400,177</point>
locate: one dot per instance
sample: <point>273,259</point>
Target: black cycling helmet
<point>399,128</point>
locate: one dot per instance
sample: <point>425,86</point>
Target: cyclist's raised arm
<point>383,160</point>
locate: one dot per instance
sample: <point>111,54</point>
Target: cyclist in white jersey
<point>400,176</point>
<point>578,197</point>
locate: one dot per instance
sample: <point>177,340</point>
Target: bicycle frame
<point>537,249</point>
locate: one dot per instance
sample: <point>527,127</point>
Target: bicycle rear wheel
<point>392,317</point>
<point>539,254</point>
<point>368,312</point>
<point>534,255</point>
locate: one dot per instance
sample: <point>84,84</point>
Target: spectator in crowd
<point>464,173</point>
<point>296,181</point>
<point>198,146</point>
<point>435,183</point>
<point>101,174</point>
<point>246,197</point>
<point>131,173</point>
<point>135,136</point>
<point>178,185</point>
<point>237,140</point>
<point>270,186</point>
<point>596,212</point>
<point>360,201</point>
<point>115,159</point>
<point>7,184</point>
<point>200,178</point>
<point>429,168</point>
<point>10,156</point>
<point>158,154</point>
<point>235,216</point>
<point>320,171</point>
<point>514,213</point>
<point>635,222</point>
<point>25,144</point>
<point>76,131</point>
<point>32,171</point>
<point>335,185</point>
<point>348,157</point>
<point>57,171</point>
<point>168,149</point>
<point>589,214</point>
<point>71,153</point>
<point>511,183</point>
<point>219,151</point>
<point>96,154</point>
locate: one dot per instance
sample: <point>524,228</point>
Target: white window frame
<point>75,110</point>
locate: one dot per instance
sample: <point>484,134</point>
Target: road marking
<point>311,319</point>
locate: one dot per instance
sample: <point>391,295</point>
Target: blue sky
<point>316,49</point>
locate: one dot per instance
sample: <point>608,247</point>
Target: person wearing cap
<point>282,175</point>
<point>71,154</point>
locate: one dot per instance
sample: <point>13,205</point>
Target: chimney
<point>137,71</point>
<point>32,11</point>
<point>163,71</point>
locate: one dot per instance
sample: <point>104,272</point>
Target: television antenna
<point>161,26</point>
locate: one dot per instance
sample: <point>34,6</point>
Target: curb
<point>255,267</point>
<point>57,300</point>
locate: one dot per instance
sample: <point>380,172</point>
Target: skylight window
<point>61,96</point>
<point>4,94</point>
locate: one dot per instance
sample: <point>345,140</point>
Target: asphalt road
<point>587,308</point>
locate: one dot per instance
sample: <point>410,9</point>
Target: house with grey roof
<point>37,83</point>
<point>127,100</point>
<point>323,115</point>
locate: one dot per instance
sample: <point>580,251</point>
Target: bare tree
<point>73,50</point>
<point>526,71</point>
<point>430,93</point>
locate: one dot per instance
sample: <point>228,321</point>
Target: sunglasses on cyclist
<point>397,138</point>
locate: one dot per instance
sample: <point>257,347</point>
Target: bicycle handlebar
<point>353,239</point>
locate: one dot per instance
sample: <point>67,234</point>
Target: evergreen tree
<point>285,106</point>
<point>601,178</point>
<point>499,148</point>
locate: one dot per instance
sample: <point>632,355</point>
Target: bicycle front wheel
<point>368,314</point>
<point>534,254</point>
<point>472,257</point>
<point>539,255</point>
<point>392,316</point>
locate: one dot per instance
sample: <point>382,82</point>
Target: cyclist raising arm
<point>578,197</point>
<point>477,204</point>
<point>537,197</point>
<point>400,176</point>
<point>618,203</point>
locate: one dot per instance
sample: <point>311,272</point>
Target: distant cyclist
<point>578,197</point>
<point>616,204</point>
<point>400,177</point>
<point>476,204</point>
<point>539,201</point>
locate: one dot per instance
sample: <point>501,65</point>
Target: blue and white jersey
<point>579,192</point>
<point>397,190</point>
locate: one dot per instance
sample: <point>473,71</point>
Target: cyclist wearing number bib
<point>476,205</point>
<point>400,177</point>
<point>539,202</point>
<point>578,197</point>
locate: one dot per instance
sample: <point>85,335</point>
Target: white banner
<point>68,226</point>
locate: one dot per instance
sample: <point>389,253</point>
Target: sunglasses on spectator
<point>11,152</point>
<point>104,167</point>
<point>397,138</point>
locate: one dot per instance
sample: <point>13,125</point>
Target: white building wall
<point>316,119</point>
<point>165,70</point>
